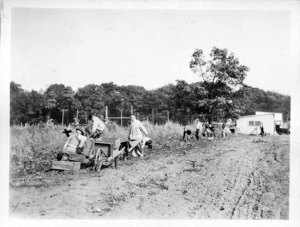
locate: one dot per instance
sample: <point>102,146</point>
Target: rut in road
<point>204,183</point>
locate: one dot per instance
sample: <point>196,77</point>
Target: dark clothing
<point>70,157</point>
<point>186,134</point>
<point>197,134</point>
<point>262,131</point>
<point>212,129</point>
<point>149,144</point>
<point>67,132</point>
<point>96,135</point>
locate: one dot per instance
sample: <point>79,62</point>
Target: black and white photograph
<point>153,110</point>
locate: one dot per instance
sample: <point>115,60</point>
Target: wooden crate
<point>63,165</point>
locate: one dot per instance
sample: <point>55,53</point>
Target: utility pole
<point>131,110</point>
<point>106,112</point>
<point>77,114</point>
<point>62,118</point>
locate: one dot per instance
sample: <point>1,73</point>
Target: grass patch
<point>33,148</point>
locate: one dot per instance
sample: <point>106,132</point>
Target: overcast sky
<point>150,48</point>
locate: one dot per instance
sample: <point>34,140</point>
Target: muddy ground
<point>240,177</point>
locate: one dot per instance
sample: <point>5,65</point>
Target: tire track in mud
<point>230,178</point>
<point>197,178</point>
<point>240,197</point>
<point>270,189</point>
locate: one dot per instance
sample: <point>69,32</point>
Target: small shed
<point>278,116</point>
<point>251,124</point>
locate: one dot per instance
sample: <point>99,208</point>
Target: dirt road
<point>240,177</point>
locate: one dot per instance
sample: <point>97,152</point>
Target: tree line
<point>220,94</point>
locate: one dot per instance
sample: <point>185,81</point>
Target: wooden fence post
<point>62,120</point>
<point>121,117</point>
<point>168,115</point>
<point>153,116</point>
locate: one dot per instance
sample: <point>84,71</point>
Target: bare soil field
<point>239,177</point>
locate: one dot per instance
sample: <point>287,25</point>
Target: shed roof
<point>262,113</point>
<point>257,115</point>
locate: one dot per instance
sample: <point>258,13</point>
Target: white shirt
<point>136,129</point>
<point>199,125</point>
<point>98,124</point>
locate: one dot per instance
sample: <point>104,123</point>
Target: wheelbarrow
<point>104,152</point>
<point>107,151</point>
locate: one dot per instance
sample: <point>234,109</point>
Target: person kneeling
<point>147,142</point>
<point>186,134</point>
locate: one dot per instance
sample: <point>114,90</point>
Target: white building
<point>278,116</point>
<point>251,124</point>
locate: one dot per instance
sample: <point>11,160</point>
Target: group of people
<point>78,145</point>
<point>204,130</point>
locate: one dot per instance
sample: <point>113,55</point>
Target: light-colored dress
<point>135,130</point>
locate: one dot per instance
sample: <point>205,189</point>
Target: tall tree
<point>90,98</point>
<point>132,96</point>
<point>113,98</point>
<point>58,97</point>
<point>18,104</point>
<point>221,76</point>
<point>166,102</point>
<point>35,107</point>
